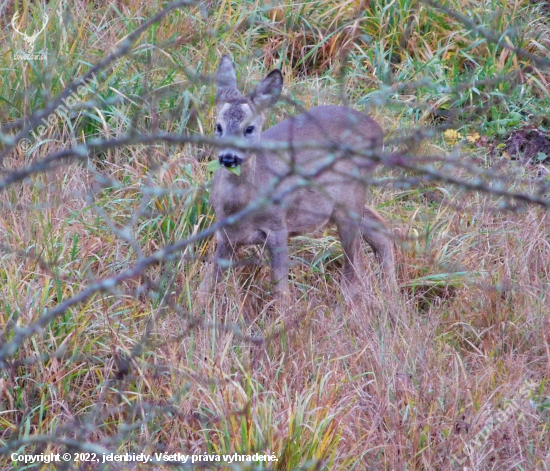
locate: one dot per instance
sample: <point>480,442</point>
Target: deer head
<point>242,116</point>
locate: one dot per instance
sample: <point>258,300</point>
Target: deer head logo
<point>29,40</point>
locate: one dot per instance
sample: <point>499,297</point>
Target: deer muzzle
<point>229,159</point>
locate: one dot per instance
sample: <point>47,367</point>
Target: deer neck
<point>232,193</point>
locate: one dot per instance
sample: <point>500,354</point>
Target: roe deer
<point>334,194</point>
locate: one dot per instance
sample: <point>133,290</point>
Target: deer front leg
<point>278,249</point>
<point>224,251</point>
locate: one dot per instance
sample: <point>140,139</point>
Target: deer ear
<point>226,80</point>
<point>268,90</point>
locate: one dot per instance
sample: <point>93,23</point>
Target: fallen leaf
<point>451,135</point>
<point>473,138</point>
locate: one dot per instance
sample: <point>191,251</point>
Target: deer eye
<point>249,130</point>
<point>218,128</point>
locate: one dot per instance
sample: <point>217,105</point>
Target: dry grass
<point>383,383</point>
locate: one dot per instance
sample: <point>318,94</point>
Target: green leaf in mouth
<point>236,170</point>
<point>214,165</point>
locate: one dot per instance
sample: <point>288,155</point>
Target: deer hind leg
<point>377,235</point>
<point>348,231</point>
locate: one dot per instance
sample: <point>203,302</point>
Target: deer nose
<point>230,160</point>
